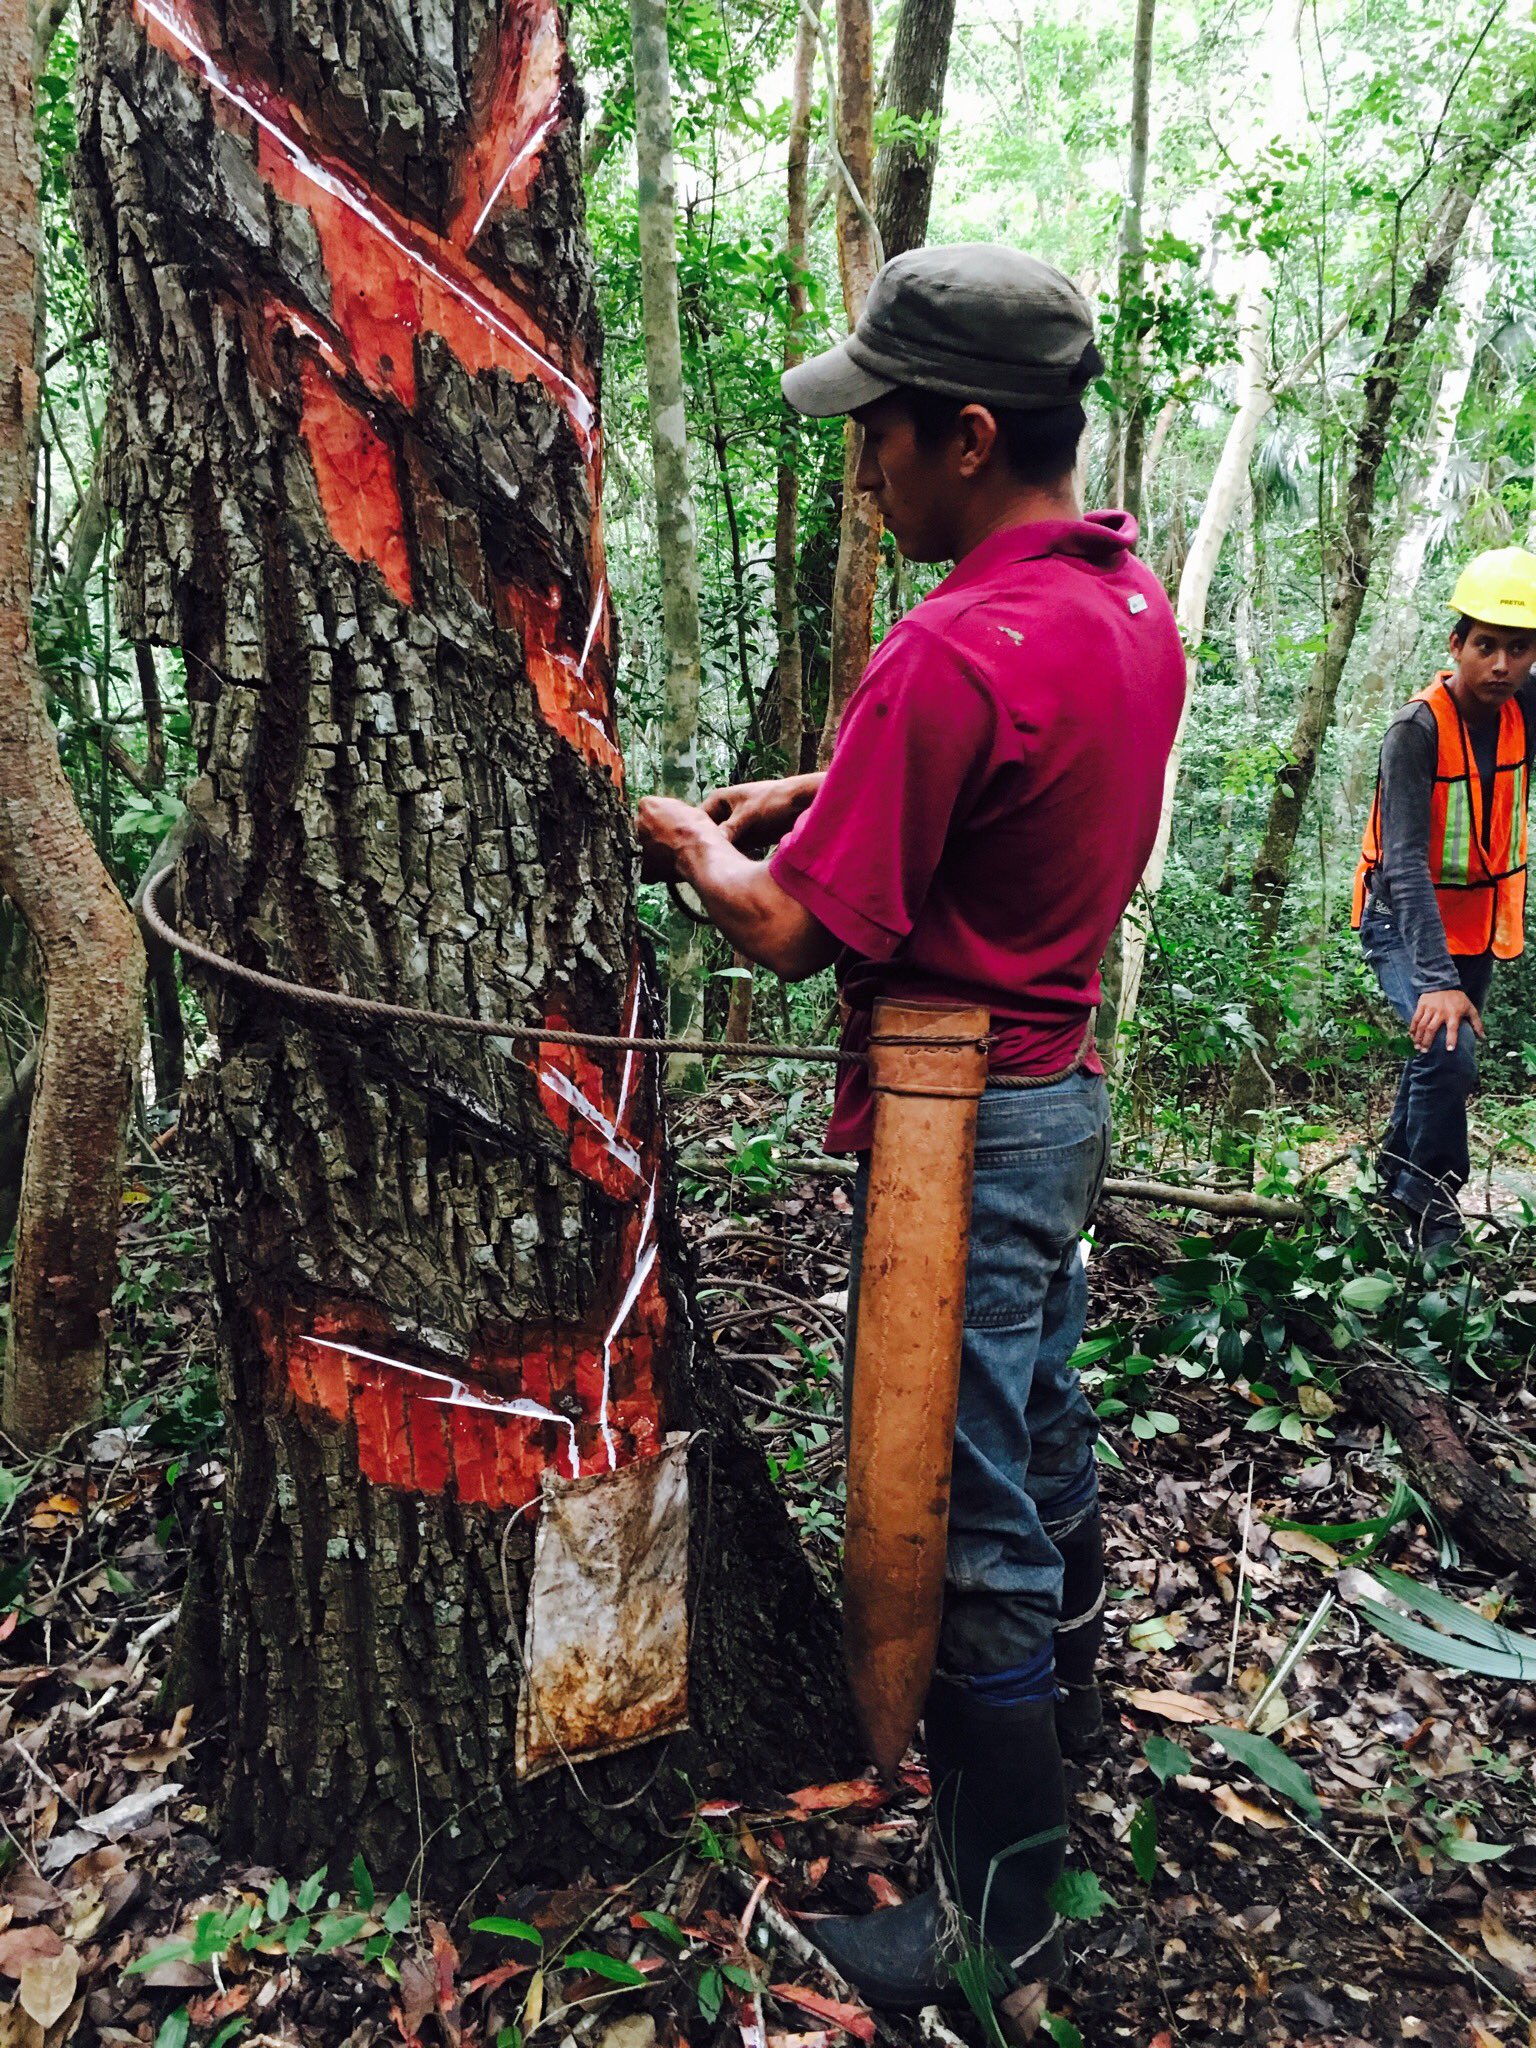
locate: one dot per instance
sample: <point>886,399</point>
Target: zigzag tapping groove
<point>393,280</point>
<point>583,1398</point>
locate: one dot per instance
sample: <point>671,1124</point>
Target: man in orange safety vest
<point>1440,889</point>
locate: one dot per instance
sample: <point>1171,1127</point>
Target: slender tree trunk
<point>738,1015</point>
<point>92,962</point>
<point>1228,487</point>
<point>1245,651</point>
<point>1130,328</point>
<point>1389,661</point>
<point>445,1269</point>
<point>17,1087</point>
<point>1251,1086</point>
<point>914,90</point>
<point>858,255</point>
<point>677,538</point>
<point>786,603</point>
<point>903,187</point>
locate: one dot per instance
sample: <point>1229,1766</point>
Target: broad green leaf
<point>710,1992</point>
<point>397,1914</point>
<point>664,1925</point>
<point>1060,2030</point>
<point>228,2032</point>
<point>1143,1840</point>
<point>1461,1621</point>
<point>362,1884</point>
<point>1453,1653</point>
<point>733,1973</point>
<point>307,1896</point>
<point>1078,1895</point>
<point>514,1930</point>
<point>1460,1851</point>
<point>1268,1761</point>
<point>1368,1291</point>
<point>174,2029</point>
<point>1166,1759</point>
<point>297,1935</point>
<point>168,1952</point>
<point>336,1929</point>
<point>614,1968</point>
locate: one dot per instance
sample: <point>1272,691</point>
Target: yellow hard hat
<point>1499,588</point>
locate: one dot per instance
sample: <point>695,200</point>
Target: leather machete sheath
<point>906,1365</point>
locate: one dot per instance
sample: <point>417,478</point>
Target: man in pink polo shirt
<point>991,803</point>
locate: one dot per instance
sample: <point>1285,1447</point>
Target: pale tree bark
<point>1228,486</point>
<point>786,604</point>
<point>92,962</point>
<point>444,1268</point>
<point>1252,1087</point>
<point>858,258</point>
<point>1128,366</point>
<point>1388,664</point>
<point>677,536</point>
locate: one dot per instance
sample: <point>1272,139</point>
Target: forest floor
<point>1379,1888</point>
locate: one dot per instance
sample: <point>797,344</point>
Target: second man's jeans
<point>1424,1160</point>
<point>1024,1470</point>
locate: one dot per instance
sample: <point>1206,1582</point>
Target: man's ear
<point>977,429</point>
<point>1455,644</point>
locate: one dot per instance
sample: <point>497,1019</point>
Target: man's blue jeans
<point>1424,1160</point>
<point>1024,1470</point>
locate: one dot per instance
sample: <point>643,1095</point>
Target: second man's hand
<point>681,843</point>
<point>1443,1009</point>
<point>756,815</point>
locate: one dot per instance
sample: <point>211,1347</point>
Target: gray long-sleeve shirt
<point>1402,886</point>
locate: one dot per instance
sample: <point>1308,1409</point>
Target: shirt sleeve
<point>911,757</point>
<point>1407,785</point>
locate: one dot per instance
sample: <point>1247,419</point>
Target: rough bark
<point>914,90</point>
<point>353,429</point>
<point>1388,666</point>
<point>1251,1087</point>
<point>791,662</point>
<point>1130,328</point>
<point>17,1086</point>
<point>92,963</point>
<point>677,539</point>
<point>858,258</point>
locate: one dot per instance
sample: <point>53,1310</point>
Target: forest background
<point>1307,236</point>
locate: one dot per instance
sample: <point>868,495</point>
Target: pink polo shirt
<point>994,793</point>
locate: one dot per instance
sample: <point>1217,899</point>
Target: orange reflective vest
<point>1479,877</point>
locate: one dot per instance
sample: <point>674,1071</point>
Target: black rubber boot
<point>893,1957</point>
<point>999,1833</point>
<point>1079,1638</point>
<point>1000,1822</point>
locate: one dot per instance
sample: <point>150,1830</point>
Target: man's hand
<point>680,844</point>
<point>1446,1009</point>
<point>668,829</point>
<point>756,815</point>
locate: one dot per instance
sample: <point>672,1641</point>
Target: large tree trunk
<point>92,962</point>
<point>858,258</point>
<point>786,520</point>
<point>677,536</point>
<point>1252,1087</point>
<point>354,430</point>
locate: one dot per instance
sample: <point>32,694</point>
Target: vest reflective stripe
<point>1479,888</point>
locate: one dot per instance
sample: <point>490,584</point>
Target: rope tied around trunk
<point>333,1003</point>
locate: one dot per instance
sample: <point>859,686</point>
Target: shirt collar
<point>1104,537</point>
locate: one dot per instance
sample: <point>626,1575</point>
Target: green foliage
<point>1256,1753</point>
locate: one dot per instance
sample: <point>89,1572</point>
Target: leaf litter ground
<point>1211,1910</point>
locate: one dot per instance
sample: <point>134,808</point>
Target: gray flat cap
<point>970,319</point>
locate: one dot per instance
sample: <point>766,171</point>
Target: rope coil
<point>304,995</point>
